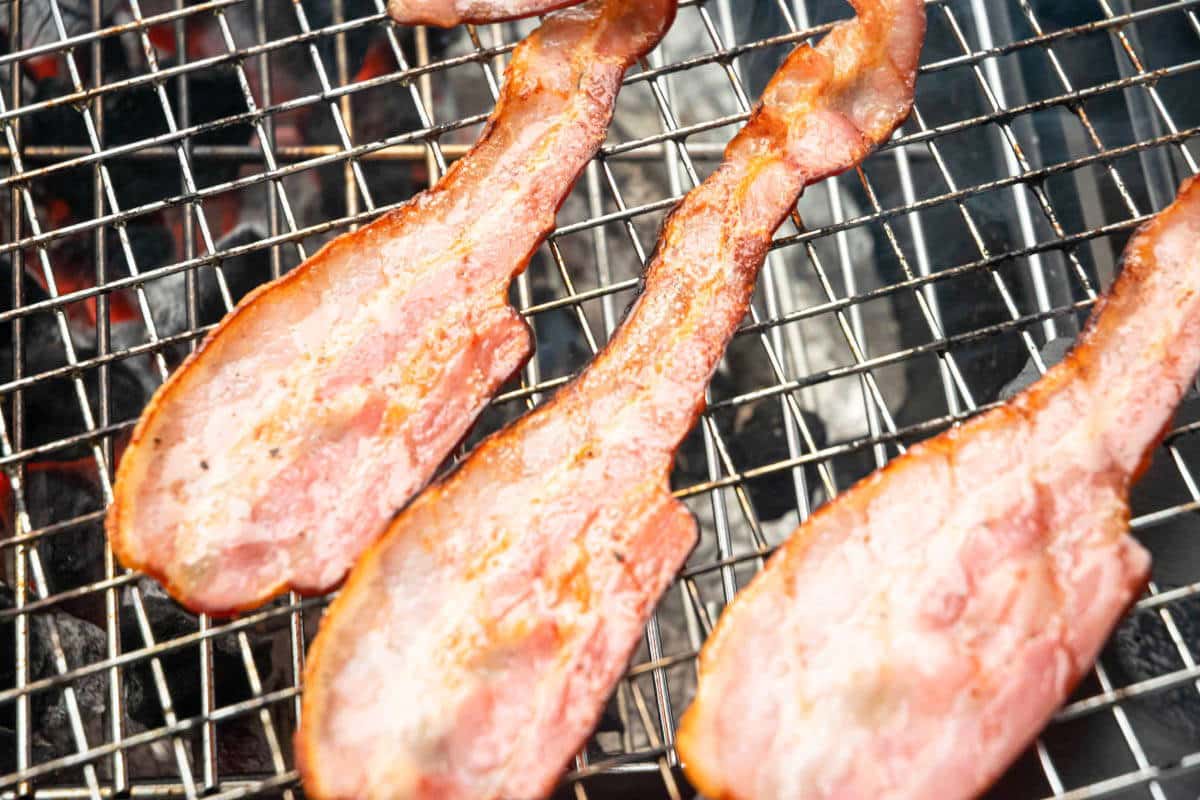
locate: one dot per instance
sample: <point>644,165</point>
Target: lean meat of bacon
<point>448,13</point>
<point>326,399</point>
<point>473,647</point>
<point>916,633</point>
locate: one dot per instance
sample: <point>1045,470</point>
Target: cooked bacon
<point>914,635</point>
<point>448,13</point>
<point>277,453</point>
<point>473,647</point>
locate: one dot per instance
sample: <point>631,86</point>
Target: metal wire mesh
<point>160,158</point>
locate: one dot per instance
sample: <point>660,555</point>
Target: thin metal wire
<point>897,214</point>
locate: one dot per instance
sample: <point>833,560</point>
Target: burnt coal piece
<point>8,676</point>
<point>371,56</point>
<point>82,643</point>
<point>133,115</point>
<point>242,273</point>
<point>1144,649</point>
<point>51,406</point>
<point>182,666</point>
<point>561,346</point>
<point>241,747</point>
<point>759,439</point>
<point>755,435</point>
<point>167,296</point>
<point>691,463</point>
<point>73,557</point>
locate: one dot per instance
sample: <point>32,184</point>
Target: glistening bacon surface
<point>473,647</point>
<point>448,13</point>
<point>315,411</point>
<point>915,634</point>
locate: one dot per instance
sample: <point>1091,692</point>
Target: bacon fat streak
<point>315,411</point>
<point>473,647</point>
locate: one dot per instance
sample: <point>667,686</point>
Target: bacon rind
<point>914,635</point>
<point>472,648</point>
<point>448,13</point>
<point>384,348</point>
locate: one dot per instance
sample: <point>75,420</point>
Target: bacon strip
<point>473,647</point>
<point>328,398</point>
<point>914,635</point>
<point>448,13</point>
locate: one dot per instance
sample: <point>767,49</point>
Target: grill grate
<point>160,157</point>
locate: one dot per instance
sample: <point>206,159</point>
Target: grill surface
<point>162,157</point>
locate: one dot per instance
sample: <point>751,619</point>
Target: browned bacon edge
<point>448,13</point>
<point>572,502</point>
<point>590,46</point>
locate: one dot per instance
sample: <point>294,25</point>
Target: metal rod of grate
<point>899,300</point>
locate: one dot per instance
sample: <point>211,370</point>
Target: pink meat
<point>448,13</point>
<point>914,635</point>
<point>316,410</point>
<point>473,647</point>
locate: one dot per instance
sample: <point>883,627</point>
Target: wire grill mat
<point>159,158</point>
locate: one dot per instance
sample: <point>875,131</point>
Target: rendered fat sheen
<point>448,13</point>
<point>315,411</point>
<point>473,647</point>
<point>912,638</point>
